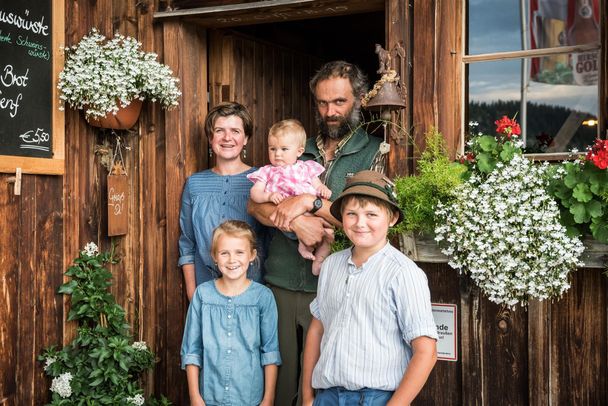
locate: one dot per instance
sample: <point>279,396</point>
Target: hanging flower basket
<point>102,74</point>
<point>123,119</point>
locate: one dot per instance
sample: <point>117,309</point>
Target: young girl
<point>287,176</point>
<point>230,348</point>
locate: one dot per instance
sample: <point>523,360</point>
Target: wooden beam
<point>270,11</point>
<point>529,53</point>
<point>396,32</point>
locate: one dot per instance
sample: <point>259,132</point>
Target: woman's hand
<point>197,401</point>
<point>267,402</point>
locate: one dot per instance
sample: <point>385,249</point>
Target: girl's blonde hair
<point>289,127</point>
<point>233,228</point>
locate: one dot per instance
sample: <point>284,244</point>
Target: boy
<point>372,340</point>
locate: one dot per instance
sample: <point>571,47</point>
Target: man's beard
<point>346,126</point>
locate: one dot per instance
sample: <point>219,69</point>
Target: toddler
<point>287,176</point>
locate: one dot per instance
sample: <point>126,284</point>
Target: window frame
<point>599,46</point>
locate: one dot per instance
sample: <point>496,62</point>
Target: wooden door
<point>270,80</point>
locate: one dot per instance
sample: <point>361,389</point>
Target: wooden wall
<point>550,354</point>
<point>45,227</point>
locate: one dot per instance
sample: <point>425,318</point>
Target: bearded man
<point>343,148</point>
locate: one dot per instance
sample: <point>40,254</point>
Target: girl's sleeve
<point>269,329</point>
<point>313,168</point>
<point>192,343</point>
<point>261,175</point>
<point>187,241</point>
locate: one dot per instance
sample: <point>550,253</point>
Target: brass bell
<point>388,98</point>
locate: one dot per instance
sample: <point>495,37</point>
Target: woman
<point>218,194</point>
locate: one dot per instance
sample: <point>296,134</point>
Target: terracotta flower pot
<point>124,119</point>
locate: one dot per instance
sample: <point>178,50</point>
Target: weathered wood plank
<point>26,310</point>
<point>539,346</point>
<point>10,207</point>
<point>48,272</point>
<point>579,346</point>
<point>471,343</point>
<point>398,19</point>
<point>444,386</point>
<point>450,72</point>
<point>504,336</point>
<point>231,15</point>
<point>424,90</point>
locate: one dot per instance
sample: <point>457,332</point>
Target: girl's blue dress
<point>231,339</point>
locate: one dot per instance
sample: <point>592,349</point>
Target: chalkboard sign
<point>28,67</point>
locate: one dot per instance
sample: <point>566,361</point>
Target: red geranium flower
<point>598,154</point>
<point>507,126</point>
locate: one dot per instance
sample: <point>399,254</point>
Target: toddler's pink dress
<point>291,180</point>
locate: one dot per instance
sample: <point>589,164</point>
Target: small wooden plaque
<point>118,208</point>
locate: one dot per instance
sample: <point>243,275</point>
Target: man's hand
<point>291,208</point>
<point>309,229</point>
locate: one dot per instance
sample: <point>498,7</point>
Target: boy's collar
<point>367,261</point>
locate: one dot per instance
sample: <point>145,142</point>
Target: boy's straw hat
<point>368,183</point>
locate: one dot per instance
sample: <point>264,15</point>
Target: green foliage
<point>581,188</point>
<point>102,364</point>
<point>437,178</point>
<point>486,151</point>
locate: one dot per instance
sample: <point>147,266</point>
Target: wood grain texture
<point>556,353</point>
<point>578,349</point>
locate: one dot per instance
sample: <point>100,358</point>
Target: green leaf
<point>599,229</point>
<point>594,208</point>
<point>582,193</point>
<point>485,163</point>
<point>487,143</point>
<point>579,212</point>
<point>507,154</point>
<point>571,180</point>
<point>96,382</point>
<point>68,287</point>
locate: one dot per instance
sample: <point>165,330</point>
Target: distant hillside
<point>544,122</point>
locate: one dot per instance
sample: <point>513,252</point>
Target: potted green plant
<point>418,195</point>
<point>102,76</point>
<point>102,364</point>
<point>581,188</point>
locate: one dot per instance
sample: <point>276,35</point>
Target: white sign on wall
<point>445,316</point>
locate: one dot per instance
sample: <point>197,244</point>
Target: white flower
<point>140,345</point>
<point>98,72</point>
<point>505,232</point>
<point>90,249</point>
<point>136,400</point>
<point>61,385</point>
<point>48,362</point>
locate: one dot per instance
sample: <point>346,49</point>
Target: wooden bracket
<point>17,181</point>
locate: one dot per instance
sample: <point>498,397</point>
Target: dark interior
<point>329,38</point>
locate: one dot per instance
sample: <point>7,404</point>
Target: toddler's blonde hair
<point>289,127</point>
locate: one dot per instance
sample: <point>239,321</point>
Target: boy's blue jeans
<point>338,396</point>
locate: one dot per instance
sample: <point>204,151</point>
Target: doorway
<point>267,67</point>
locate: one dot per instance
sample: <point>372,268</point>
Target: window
<point>538,60</point>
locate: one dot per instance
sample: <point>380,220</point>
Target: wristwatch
<point>316,205</point>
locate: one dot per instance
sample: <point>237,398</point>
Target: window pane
<point>555,112</point>
<point>495,25</point>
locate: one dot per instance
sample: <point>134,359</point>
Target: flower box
<point>423,248</point>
